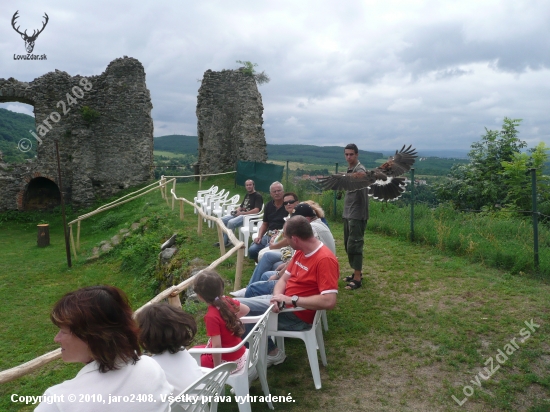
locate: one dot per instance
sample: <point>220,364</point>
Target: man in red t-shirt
<point>310,282</point>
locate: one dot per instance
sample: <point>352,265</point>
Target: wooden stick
<point>72,240</point>
<point>181,209</point>
<point>174,189</point>
<point>220,239</point>
<point>239,268</point>
<point>78,237</point>
<point>174,300</point>
<point>29,367</point>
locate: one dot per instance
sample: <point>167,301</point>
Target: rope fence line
<point>172,294</point>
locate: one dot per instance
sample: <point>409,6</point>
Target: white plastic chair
<point>224,208</point>
<point>210,385</point>
<point>313,338</point>
<point>256,358</point>
<point>210,200</point>
<point>199,199</point>
<point>249,227</point>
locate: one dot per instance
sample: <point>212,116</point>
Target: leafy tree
<point>481,183</point>
<point>248,69</point>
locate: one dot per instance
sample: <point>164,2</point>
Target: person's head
<point>163,327</point>
<point>96,324</point>
<point>290,200</point>
<point>351,152</point>
<point>305,210</point>
<point>276,191</point>
<point>316,207</point>
<point>297,229</point>
<point>209,287</point>
<point>249,185</point>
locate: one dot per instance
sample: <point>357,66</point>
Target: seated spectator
<point>165,331</point>
<point>252,204</point>
<point>265,283</point>
<point>318,210</point>
<point>96,328</point>
<point>310,281</point>
<point>273,221</point>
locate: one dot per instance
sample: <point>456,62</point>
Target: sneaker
<point>238,293</point>
<point>276,359</point>
<point>217,244</point>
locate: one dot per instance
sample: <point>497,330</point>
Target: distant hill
<point>13,128</point>
<point>177,143</point>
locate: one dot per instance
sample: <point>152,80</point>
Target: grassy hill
<point>13,128</point>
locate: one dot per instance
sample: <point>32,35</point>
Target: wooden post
<point>239,269</point>
<point>181,209</point>
<point>174,300</point>
<point>200,182</point>
<point>220,239</point>
<point>199,227</point>
<point>43,239</point>
<point>78,236</point>
<point>173,198</point>
<point>72,240</point>
<point>161,184</point>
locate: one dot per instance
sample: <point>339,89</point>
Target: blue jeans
<point>286,320</point>
<point>255,248</point>
<point>269,261</point>
<point>231,222</point>
<point>262,287</point>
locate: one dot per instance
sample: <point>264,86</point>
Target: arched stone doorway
<point>41,194</point>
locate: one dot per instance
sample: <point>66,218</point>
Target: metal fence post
<point>412,204</point>
<point>335,194</point>
<point>535,217</point>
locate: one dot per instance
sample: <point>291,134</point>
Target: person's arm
<point>216,342</point>
<point>243,310</point>
<point>261,232</point>
<point>278,245</point>
<point>280,270</point>
<point>250,212</point>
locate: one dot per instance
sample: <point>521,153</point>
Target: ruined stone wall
<point>229,121</point>
<point>99,156</point>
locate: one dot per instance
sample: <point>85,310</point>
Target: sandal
<point>354,284</point>
<point>350,278</point>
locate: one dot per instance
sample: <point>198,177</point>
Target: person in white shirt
<point>96,328</point>
<point>165,331</point>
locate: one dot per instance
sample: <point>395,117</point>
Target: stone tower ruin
<point>229,121</point>
<point>104,130</point>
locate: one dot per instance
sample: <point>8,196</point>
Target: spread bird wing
<point>382,181</point>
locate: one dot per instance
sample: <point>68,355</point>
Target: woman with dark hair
<point>165,331</point>
<point>96,328</point>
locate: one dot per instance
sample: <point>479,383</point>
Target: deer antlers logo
<point>29,40</point>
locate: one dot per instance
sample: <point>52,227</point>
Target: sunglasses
<point>289,202</point>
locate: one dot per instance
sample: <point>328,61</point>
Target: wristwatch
<point>295,301</point>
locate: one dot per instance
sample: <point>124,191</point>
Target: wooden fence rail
<point>172,293</point>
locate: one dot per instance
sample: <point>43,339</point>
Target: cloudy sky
<point>378,73</point>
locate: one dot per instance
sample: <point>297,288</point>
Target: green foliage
<point>323,155</point>
<point>481,182</point>
<point>89,115</point>
<point>249,70</point>
<point>177,144</point>
<point>13,128</point>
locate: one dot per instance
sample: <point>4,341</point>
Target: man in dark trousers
<point>356,214</point>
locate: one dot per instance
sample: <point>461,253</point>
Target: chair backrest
<point>199,396</point>
<point>254,338</point>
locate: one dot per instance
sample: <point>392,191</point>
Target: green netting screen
<point>263,174</point>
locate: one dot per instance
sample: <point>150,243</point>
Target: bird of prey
<point>383,181</point>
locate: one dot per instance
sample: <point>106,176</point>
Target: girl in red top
<point>222,320</point>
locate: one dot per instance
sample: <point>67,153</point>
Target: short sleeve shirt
<point>274,217</point>
<point>356,203</point>
<point>215,325</point>
<point>313,274</point>
<point>252,201</point>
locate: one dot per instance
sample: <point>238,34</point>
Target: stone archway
<point>41,194</point>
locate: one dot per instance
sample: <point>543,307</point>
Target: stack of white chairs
<point>211,385</point>
<point>211,198</point>
<point>313,338</point>
<point>224,207</point>
<point>256,358</point>
<point>199,199</point>
<point>249,227</point>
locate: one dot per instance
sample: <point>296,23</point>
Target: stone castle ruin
<point>104,130</point>
<point>229,121</point>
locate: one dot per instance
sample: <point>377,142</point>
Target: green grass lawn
<point>419,330</point>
